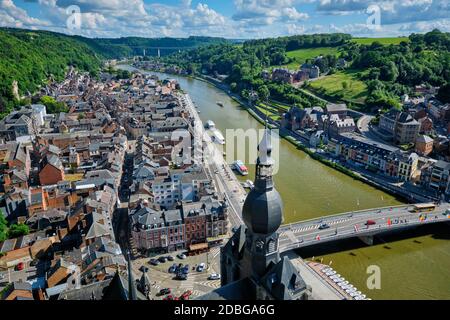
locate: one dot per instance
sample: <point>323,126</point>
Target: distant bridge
<point>353,225</point>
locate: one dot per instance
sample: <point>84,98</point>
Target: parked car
<point>370,223</point>
<point>181,276</point>
<point>169,297</point>
<point>162,259</point>
<point>214,276</point>
<point>153,262</point>
<point>181,256</point>
<point>234,229</point>
<point>170,258</point>
<point>185,269</point>
<point>173,268</point>
<point>20,266</point>
<point>323,226</point>
<point>164,291</point>
<point>201,267</point>
<point>186,295</point>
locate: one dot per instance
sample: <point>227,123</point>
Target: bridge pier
<point>367,240</point>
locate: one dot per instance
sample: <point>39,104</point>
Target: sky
<point>236,19</point>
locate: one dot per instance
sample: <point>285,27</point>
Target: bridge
<point>353,225</point>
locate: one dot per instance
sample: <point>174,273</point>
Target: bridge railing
<point>363,211</point>
<point>361,232</point>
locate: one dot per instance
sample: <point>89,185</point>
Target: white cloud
<point>16,17</point>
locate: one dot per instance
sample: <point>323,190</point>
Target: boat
<point>217,136</point>
<point>210,124</point>
<point>239,166</point>
<point>220,103</point>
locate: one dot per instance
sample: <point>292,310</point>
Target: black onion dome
<point>263,211</point>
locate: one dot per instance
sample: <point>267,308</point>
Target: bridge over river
<point>353,224</point>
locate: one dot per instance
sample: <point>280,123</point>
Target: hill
<point>31,57</point>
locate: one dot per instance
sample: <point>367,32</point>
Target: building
<point>52,170</point>
<point>401,127</point>
<point>435,176</point>
<point>407,167</point>
<point>424,145</point>
<point>251,266</point>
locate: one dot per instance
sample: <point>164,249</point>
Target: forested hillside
<point>30,58</point>
<point>387,68</point>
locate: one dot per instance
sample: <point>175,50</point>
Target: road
<point>353,224</point>
<point>224,179</point>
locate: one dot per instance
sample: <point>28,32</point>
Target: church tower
<point>263,215</point>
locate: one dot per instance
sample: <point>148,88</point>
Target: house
<point>337,126</point>
<point>312,70</point>
<point>338,109</point>
<point>282,75</point>
<point>426,125</point>
<point>297,118</point>
<point>407,166</point>
<point>52,170</point>
<point>435,176</point>
<point>18,290</point>
<point>424,145</point>
<point>401,126</point>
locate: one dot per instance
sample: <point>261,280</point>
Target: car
<point>201,267</point>
<point>173,268</point>
<point>153,262</point>
<point>214,276</point>
<point>20,266</point>
<point>170,258</point>
<point>162,259</point>
<point>169,297</point>
<point>370,223</point>
<point>181,256</point>
<point>323,226</point>
<point>186,295</point>
<point>185,269</point>
<point>164,291</point>
<point>234,229</point>
<point>181,276</point>
<point>143,269</point>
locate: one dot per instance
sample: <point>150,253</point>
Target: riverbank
<point>288,135</point>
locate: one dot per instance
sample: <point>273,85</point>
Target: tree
<point>17,230</point>
<point>344,85</point>
<point>444,93</point>
<point>3,227</point>
<point>53,106</point>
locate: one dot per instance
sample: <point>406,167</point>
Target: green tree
<point>3,227</point>
<point>17,230</point>
<point>444,93</point>
<point>53,106</point>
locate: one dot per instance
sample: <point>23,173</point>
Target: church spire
<point>264,163</point>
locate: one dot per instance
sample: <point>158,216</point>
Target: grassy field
<point>300,56</point>
<point>384,41</point>
<point>333,87</point>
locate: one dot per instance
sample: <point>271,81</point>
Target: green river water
<point>415,265</point>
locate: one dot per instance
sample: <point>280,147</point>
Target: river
<point>412,268</point>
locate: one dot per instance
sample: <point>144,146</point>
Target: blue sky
<point>227,18</point>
